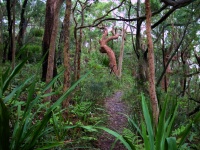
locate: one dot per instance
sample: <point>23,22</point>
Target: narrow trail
<point>115,108</point>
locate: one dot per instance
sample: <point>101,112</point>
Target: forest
<point>99,74</point>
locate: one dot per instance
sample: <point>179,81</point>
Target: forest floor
<point>116,108</point>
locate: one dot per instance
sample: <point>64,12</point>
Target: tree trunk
<point>106,49</point>
<point>60,46</point>
<point>185,71</point>
<point>151,75</point>
<point>140,51</point>
<point>79,55</point>
<point>54,7</point>
<point>50,33</point>
<point>22,26</point>
<point>10,39</point>
<point>121,52</point>
<point>66,50</point>
<point>1,37</point>
<point>78,39</point>
<point>5,52</point>
<point>13,36</point>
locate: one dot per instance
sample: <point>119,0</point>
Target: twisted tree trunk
<point>106,49</point>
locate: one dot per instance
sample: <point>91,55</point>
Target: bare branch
<point>176,3</point>
<point>176,50</point>
<point>100,20</point>
<point>109,12</point>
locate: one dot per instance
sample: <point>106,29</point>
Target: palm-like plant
<point>160,138</point>
<point>25,134</point>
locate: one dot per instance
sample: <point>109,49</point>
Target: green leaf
<point>184,134</point>
<point>132,122</point>
<point>52,81</point>
<point>30,143</point>
<point>34,136</point>
<point>89,128</point>
<point>171,143</point>
<point>70,127</point>
<point>145,137</point>
<point>4,127</point>
<point>48,94</point>
<point>172,118</point>
<point>64,96</point>
<point>55,126</point>
<point>129,142</point>
<point>51,145</point>
<point>149,126</point>
<point>161,134</point>
<point>18,90</point>
<point>118,136</point>
<point>5,75</point>
<point>13,73</point>
<point>31,91</point>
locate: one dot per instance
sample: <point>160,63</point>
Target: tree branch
<point>109,12</point>
<point>194,111</point>
<point>176,50</point>
<point>176,3</point>
<point>100,20</point>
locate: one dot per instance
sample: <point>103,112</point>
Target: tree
<point>66,84</point>
<point>151,64</point>
<point>79,7</point>
<point>13,47</point>
<point>49,39</point>
<point>11,29</point>
<point>22,25</point>
<point>122,50</point>
<point>104,48</point>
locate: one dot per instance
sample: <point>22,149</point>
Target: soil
<point>116,109</point>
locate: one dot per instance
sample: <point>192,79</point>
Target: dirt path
<point>115,108</point>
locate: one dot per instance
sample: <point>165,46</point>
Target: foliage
<point>37,32</point>
<point>159,138</point>
<point>21,87</point>
<point>26,129</point>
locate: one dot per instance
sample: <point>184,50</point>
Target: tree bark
<point>13,36</point>
<point>151,75</point>
<point>140,52</point>
<point>54,7</point>
<point>1,24</point>
<point>106,49</point>
<point>10,39</point>
<point>1,35</point>
<point>121,51</point>
<point>60,46</point>
<point>66,50</point>
<point>78,38</point>
<point>22,26</point>
<point>50,33</point>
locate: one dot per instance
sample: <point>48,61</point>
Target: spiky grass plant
<point>25,131</point>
